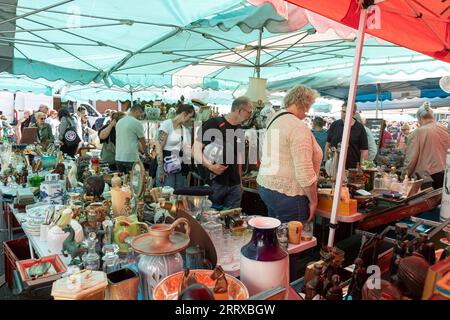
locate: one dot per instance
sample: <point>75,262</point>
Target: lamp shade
<point>444,83</point>
<point>257,90</point>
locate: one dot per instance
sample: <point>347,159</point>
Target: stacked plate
<point>35,217</point>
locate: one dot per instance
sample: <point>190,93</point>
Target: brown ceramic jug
<point>161,232</point>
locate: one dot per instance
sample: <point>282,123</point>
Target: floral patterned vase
<point>152,269</point>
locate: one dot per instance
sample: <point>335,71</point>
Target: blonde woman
<point>290,164</point>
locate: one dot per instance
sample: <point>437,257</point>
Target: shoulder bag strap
<point>276,117</point>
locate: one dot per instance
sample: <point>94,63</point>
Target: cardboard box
<point>325,203</point>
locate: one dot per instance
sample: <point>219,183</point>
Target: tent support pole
<point>35,11</point>
<point>258,55</point>
<point>378,95</point>
<point>347,126</point>
<point>131,97</point>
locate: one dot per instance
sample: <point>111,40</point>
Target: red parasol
<point>420,25</point>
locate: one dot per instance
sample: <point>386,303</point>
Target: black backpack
<point>71,138</point>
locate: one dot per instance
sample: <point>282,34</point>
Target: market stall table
<point>40,247</point>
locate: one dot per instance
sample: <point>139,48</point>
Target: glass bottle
<point>108,229</point>
<point>111,261</point>
<point>393,175</point>
<point>91,260</point>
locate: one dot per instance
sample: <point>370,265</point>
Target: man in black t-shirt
<point>219,147</point>
<point>358,149</point>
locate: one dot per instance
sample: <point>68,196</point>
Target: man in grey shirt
<point>130,139</point>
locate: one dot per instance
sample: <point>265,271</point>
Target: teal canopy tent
<point>213,45</point>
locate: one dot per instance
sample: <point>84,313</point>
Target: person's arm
<point>328,144</point>
<point>160,143</point>
<point>363,145</point>
<point>301,150</point>
<point>62,128</point>
<point>411,156</point>
<point>143,146</point>
<point>51,137</point>
<point>327,150</point>
<point>197,152</point>
<point>106,131</point>
<point>364,155</point>
<point>19,132</point>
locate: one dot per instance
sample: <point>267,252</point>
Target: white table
<point>35,242</point>
<point>233,269</point>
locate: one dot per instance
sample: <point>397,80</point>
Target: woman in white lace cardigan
<point>290,164</point>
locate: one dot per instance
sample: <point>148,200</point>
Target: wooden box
<point>434,274</point>
<point>443,286</point>
<point>56,262</point>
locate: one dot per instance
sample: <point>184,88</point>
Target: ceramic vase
<point>123,284</point>
<point>118,199</point>
<point>55,239</point>
<point>152,269</point>
<point>264,263</point>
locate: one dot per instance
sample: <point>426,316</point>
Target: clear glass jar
<point>212,224</point>
<point>111,260</point>
<point>91,260</point>
<point>378,182</point>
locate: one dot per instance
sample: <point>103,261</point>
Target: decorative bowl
<point>167,288</point>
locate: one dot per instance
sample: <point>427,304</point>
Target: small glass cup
<point>282,234</point>
<point>307,232</point>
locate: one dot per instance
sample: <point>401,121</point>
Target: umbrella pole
<point>131,97</point>
<point>258,55</point>
<point>347,126</point>
<point>378,95</point>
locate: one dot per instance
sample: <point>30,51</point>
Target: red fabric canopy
<point>420,25</point>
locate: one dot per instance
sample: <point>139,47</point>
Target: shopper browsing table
<point>45,135</point>
<point>290,164</point>
<point>427,147</point>
<point>358,149</point>
<point>130,139</point>
<point>173,136</point>
<point>42,108</point>
<point>403,137</point>
<point>219,147</point>
<point>107,135</point>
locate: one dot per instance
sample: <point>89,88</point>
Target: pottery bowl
<point>167,288</point>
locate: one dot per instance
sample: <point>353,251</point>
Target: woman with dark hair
<point>66,122</point>
<point>174,139</point>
